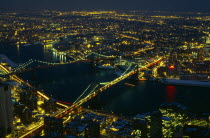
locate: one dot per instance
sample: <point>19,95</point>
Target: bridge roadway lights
<point>91,96</point>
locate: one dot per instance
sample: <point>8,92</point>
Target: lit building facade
<point>6,110</point>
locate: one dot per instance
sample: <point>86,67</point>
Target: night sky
<point>191,5</point>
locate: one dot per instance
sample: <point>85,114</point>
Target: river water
<point>67,82</point>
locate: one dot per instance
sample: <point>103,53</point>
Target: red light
<point>171,67</point>
<point>171,93</point>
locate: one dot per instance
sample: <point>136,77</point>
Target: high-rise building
<point>6,110</point>
<point>26,116</point>
<point>18,109</point>
<point>53,125</point>
<point>33,104</point>
<point>24,98</point>
<point>28,97</point>
<point>155,124</point>
<point>50,105</point>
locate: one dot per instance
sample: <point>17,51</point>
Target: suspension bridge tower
<point>135,77</point>
<point>93,63</point>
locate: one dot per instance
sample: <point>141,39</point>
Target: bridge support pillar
<point>135,77</point>
<point>93,64</point>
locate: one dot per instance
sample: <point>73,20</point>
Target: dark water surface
<point>67,82</point>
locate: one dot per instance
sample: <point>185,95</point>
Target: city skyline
<point>178,5</point>
<point>106,73</point>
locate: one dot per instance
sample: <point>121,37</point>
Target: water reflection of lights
<point>170,90</point>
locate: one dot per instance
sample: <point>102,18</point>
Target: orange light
<point>171,67</point>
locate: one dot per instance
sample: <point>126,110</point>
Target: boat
<point>186,82</point>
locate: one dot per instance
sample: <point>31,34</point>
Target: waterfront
<point>69,81</point>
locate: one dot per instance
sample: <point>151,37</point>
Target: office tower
<point>50,105</point>
<point>155,124</point>
<point>28,97</point>
<point>33,103</point>
<point>24,98</point>
<point>18,109</point>
<point>30,91</point>
<point>174,115</point>
<point>6,110</point>
<point>26,116</point>
<point>53,126</point>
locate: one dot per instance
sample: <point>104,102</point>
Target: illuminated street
<point>104,73</point>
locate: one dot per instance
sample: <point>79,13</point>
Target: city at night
<point>104,69</point>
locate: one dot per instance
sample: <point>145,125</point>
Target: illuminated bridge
<point>68,108</point>
<point>90,96</point>
<point>22,68</point>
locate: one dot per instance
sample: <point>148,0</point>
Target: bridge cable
<point>82,94</point>
<point>127,69</point>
